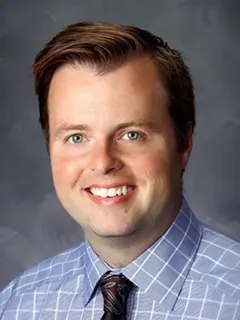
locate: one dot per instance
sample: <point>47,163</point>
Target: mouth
<point>110,192</point>
<point>112,195</point>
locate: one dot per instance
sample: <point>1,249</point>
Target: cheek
<point>65,170</point>
<point>157,169</point>
<point>153,164</point>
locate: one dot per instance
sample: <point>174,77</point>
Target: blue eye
<point>132,135</point>
<point>76,138</point>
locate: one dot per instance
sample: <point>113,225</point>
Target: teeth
<point>103,193</point>
<point>124,190</point>
<point>95,191</point>
<point>119,191</point>
<point>112,192</point>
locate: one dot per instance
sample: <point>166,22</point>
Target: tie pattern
<point>115,290</point>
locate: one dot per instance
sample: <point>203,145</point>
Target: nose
<point>105,158</point>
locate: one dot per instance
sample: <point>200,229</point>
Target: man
<point>117,110</point>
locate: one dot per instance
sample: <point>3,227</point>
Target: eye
<point>132,135</point>
<point>76,138</point>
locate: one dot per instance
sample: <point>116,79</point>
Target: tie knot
<point>115,290</point>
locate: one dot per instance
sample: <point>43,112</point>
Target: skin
<point>103,154</point>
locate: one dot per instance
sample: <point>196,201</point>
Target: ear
<point>188,145</point>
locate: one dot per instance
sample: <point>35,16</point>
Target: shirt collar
<point>94,268</point>
<point>162,269</point>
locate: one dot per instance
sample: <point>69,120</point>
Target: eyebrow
<point>140,124</point>
<point>64,127</point>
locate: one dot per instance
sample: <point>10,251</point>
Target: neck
<point>119,251</point>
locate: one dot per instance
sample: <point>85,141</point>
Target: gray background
<point>32,223</point>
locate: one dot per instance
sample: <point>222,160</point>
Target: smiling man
<point>117,110</point>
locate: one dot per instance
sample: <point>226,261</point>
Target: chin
<point>113,232</point>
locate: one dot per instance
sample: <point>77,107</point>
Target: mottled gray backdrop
<point>32,223</point>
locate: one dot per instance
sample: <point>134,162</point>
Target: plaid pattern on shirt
<point>190,273</point>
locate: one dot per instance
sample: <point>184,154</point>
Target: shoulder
<point>53,269</point>
<point>217,262</point>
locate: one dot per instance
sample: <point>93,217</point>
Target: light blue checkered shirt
<point>191,272</point>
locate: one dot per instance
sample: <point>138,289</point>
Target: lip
<point>109,201</point>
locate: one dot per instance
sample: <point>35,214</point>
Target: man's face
<point>113,150</point>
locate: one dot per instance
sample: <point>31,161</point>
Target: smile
<point>110,192</point>
<point>110,196</point>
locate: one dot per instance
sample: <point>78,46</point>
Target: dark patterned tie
<point>115,290</point>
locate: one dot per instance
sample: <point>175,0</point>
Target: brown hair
<point>102,46</point>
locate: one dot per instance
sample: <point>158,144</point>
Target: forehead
<point>131,89</point>
<point>137,74</point>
